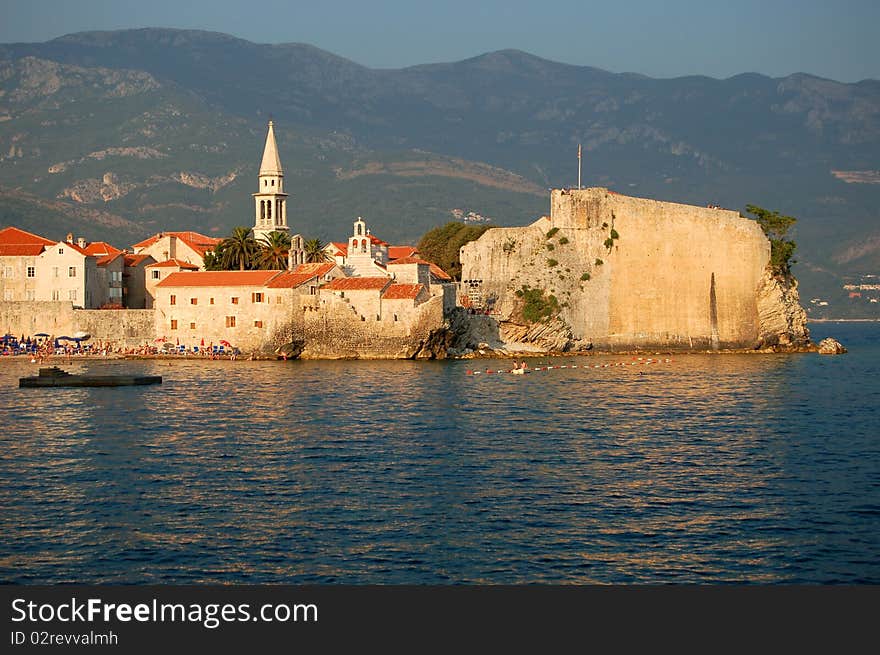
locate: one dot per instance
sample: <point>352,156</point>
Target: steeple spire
<point>270,201</point>
<point>271,164</point>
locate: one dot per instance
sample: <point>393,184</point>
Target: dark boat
<point>55,377</point>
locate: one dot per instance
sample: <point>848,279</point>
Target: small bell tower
<point>270,201</point>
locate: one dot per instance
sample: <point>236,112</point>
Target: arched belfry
<point>270,201</point>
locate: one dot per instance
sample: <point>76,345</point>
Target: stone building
<point>189,247</point>
<point>243,308</point>
<point>155,272</point>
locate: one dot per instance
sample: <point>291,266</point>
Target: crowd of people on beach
<point>41,348</point>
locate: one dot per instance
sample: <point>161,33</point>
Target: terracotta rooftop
<point>14,236</point>
<point>20,249</point>
<point>315,268</point>
<point>358,283</point>
<point>218,279</point>
<point>99,248</point>
<point>174,263</point>
<point>403,291</point>
<point>198,242</point>
<point>300,275</point>
<point>134,260</point>
<point>342,247</point>
<point>106,259</point>
<point>396,252</point>
<point>436,271</point>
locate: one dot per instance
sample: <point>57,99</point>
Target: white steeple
<point>271,165</point>
<point>270,201</point>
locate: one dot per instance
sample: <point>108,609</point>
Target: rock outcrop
<point>831,346</point>
<point>782,322</point>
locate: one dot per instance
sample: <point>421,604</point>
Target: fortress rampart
<point>632,272</point>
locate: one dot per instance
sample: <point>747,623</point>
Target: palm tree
<point>273,251</point>
<point>239,250</point>
<point>315,253</point>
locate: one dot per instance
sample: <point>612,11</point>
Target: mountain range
<point>118,135</point>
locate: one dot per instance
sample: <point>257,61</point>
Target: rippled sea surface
<point>706,469</point>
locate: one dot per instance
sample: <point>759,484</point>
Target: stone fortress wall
<point>672,275</point>
<point>122,328</point>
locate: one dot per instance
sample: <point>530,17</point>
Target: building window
<point>192,326</point>
<point>234,301</point>
<point>115,292</point>
<point>31,271</point>
<point>193,301</point>
<point>273,182</point>
<point>29,294</point>
<point>7,271</point>
<point>314,290</point>
<point>395,317</point>
<point>71,271</point>
<point>173,323</point>
<point>258,324</point>
<point>61,251</point>
<point>173,300</point>
<point>71,295</point>
<point>56,294</point>
<point>277,300</point>
<point>154,275</point>
<point>230,321</point>
<point>257,297</point>
<point>54,271</point>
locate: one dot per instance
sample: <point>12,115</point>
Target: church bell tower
<point>270,201</point>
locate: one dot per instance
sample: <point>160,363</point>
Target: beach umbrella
<point>203,342</point>
<point>41,335</point>
<point>159,339</point>
<point>224,342</point>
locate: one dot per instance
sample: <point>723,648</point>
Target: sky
<point>661,38</point>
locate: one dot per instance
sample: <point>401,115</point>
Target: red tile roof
<point>174,263</point>
<point>342,247</point>
<point>403,291</point>
<point>14,236</point>
<point>198,242</point>
<point>218,279</point>
<point>135,260</point>
<point>315,268</point>
<point>376,241</point>
<point>396,252</point>
<point>358,284</point>
<point>300,275</point>
<point>20,249</point>
<point>98,248</point>
<point>436,271</point>
<point>106,259</point>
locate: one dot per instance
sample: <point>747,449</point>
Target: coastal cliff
<point>614,272</point>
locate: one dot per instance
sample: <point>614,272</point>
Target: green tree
<point>214,259</point>
<point>442,245</point>
<point>239,250</point>
<point>273,251</point>
<point>775,227</point>
<point>314,250</point>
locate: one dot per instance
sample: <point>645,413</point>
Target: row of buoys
<point>635,362</point>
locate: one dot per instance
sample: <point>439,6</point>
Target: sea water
<point>704,469</point>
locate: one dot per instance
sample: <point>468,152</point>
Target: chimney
<point>70,238</point>
<point>81,242</point>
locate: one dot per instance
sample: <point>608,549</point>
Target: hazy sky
<point>661,38</point>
